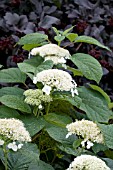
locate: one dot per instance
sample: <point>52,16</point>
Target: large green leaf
<point>33,38</point>
<point>59,134</point>
<point>33,124</point>
<point>48,64</point>
<point>90,40</point>
<point>15,102</point>
<point>95,107</point>
<point>12,75</point>
<point>65,96</point>
<point>6,112</point>
<point>31,46</point>
<point>30,65</point>
<point>23,158</point>
<point>70,150</point>
<point>107,131</point>
<point>88,65</point>
<point>97,147</point>
<point>40,165</point>
<point>11,91</point>
<point>100,91</point>
<point>109,162</point>
<point>58,119</point>
<point>53,131</point>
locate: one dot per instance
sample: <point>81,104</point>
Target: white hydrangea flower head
<point>1,142</point>
<point>88,130</point>
<point>56,79</point>
<point>14,130</point>
<point>52,52</point>
<point>88,162</point>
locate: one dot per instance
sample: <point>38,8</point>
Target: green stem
<point>26,85</point>
<point>47,110</point>
<point>59,42</point>
<point>5,156</point>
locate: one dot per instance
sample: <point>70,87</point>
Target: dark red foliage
<point>95,53</point>
<point>6,43</point>
<point>110,22</point>
<point>17,58</point>
<point>15,2</point>
<point>81,26</point>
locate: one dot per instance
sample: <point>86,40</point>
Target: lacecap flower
<point>36,97</point>
<point>86,129</point>
<point>88,162</point>
<point>52,52</point>
<point>54,79</point>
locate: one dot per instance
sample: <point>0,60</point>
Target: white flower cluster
<point>54,79</point>
<point>88,162</point>
<point>13,130</point>
<point>52,52</point>
<point>88,130</point>
<point>36,97</point>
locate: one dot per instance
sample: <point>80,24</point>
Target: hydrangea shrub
<point>47,118</point>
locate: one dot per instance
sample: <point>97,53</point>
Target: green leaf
<point>55,30</point>
<point>33,38</point>
<point>48,64</point>
<point>88,65</point>
<point>97,147</point>
<point>95,107</point>
<point>29,66</point>
<point>107,131</point>
<point>15,102</point>
<point>109,162</point>
<point>62,106</point>
<point>26,68</point>
<point>109,153</point>
<point>65,96</point>
<point>76,72</point>
<point>71,36</point>
<point>58,119</point>
<point>12,75</point>
<point>100,91</point>
<point>11,91</point>
<point>32,124</point>
<point>31,46</point>
<point>35,61</point>
<point>6,112</point>
<point>110,105</point>
<point>70,150</point>
<point>77,143</point>
<point>67,30</point>
<point>90,40</point>
<point>22,159</point>
<point>40,165</point>
<point>59,38</point>
<point>58,134</point>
